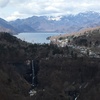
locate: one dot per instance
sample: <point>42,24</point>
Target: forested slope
<point>59,77</point>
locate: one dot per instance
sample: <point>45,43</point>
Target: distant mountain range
<point>61,24</point>
<point>6,27</point>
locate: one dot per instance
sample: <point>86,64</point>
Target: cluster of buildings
<point>82,49</point>
<point>60,43</point>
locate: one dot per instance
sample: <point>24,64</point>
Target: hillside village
<point>87,42</point>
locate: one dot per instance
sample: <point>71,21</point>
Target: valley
<point>67,68</point>
<point>60,72</point>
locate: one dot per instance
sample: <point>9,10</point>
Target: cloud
<point>49,7</point>
<point>3,3</point>
<point>26,8</point>
<point>14,16</point>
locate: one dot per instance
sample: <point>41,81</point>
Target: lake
<point>35,37</point>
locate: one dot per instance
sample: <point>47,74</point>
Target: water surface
<point>36,37</point>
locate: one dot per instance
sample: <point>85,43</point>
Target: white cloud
<point>48,7</point>
<point>3,3</point>
<point>26,8</point>
<point>14,16</point>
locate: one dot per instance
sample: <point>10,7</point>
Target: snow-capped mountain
<point>55,18</point>
<point>61,24</point>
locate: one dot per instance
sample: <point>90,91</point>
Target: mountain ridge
<point>60,24</point>
<point>6,27</point>
<point>79,33</point>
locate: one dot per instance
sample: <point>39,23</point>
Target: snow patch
<point>56,18</point>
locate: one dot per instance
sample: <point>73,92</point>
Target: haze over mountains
<point>6,27</point>
<point>61,24</point>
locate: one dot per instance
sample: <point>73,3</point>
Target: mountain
<point>12,85</point>
<point>6,27</point>
<point>88,39</point>
<point>61,24</point>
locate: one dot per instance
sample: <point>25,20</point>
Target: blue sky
<point>13,9</point>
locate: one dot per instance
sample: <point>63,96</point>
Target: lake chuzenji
<point>36,37</point>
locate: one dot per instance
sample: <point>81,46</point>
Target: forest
<point>61,74</point>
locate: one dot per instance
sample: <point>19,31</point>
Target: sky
<point>14,9</point>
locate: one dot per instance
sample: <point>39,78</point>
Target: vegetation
<point>61,74</point>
